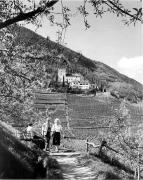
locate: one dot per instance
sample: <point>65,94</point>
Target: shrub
<point>125,90</point>
<point>115,94</point>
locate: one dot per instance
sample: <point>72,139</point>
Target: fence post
<point>138,163</point>
<point>87,146</point>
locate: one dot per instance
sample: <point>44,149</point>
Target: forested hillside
<point>54,55</point>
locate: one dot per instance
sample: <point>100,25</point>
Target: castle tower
<point>61,75</point>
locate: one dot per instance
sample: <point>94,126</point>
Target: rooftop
<point>73,75</point>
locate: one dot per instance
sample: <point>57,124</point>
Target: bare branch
<point>25,16</point>
<point>123,10</point>
<point>15,73</point>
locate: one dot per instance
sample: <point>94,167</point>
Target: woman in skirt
<point>56,133</point>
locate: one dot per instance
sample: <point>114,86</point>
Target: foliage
<point>126,90</point>
<point>21,73</point>
<point>33,11</point>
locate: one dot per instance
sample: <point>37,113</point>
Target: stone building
<point>75,80</point>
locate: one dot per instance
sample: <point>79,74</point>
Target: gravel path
<point>73,169</point>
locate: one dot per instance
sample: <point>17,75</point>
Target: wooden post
<point>138,164</point>
<point>66,109</point>
<point>16,133</point>
<point>87,146</point>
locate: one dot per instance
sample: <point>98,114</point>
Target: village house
<point>75,80</point>
<point>80,84</point>
<point>73,77</point>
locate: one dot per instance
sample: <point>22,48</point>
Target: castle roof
<point>73,75</point>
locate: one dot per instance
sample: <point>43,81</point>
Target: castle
<point>75,80</point>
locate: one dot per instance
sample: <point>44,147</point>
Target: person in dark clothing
<point>46,133</point>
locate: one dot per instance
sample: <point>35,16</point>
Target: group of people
<point>50,132</point>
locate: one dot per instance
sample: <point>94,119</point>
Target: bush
<point>115,94</point>
<point>76,91</point>
<point>132,98</point>
<point>93,91</point>
<point>124,90</point>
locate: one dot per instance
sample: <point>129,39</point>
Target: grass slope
<point>17,161</point>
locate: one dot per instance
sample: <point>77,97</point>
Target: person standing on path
<point>46,133</point>
<point>56,133</point>
<point>30,131</point>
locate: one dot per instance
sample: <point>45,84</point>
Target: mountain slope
<point>55,55</point>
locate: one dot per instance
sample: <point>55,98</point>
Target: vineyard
<point>90,111</point>
<point>86,116</point>
<point>54,103</point>
<point>91,116</point>
<point>95,119</point>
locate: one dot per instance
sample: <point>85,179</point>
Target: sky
<point>107,40</point>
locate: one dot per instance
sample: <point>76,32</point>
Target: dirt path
<point>73,169</point>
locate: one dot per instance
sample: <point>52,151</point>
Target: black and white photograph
<point>71,89</point>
